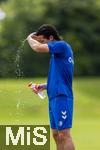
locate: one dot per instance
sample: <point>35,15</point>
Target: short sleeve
<point>56,47</point>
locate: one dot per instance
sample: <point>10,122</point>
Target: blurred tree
<point>2,1</point>
<point>77,21</point>
<point>20,21</point>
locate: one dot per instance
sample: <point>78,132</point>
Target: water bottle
<point>40,93</point>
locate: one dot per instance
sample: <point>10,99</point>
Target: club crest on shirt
<point>70,60</point>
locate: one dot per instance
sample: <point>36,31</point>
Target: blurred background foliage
<point>78,23</point>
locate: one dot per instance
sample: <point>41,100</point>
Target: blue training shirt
<point>61,69</point>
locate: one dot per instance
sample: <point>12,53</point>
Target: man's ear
<point>51,38</point>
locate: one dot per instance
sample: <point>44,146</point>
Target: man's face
<point>42,39</point>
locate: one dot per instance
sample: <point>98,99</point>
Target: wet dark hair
<point>47,30</point>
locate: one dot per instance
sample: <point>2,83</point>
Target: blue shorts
<point>61,112</point>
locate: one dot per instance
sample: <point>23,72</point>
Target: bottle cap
<point>29,84</point>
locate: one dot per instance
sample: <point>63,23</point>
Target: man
<point>59,84</point>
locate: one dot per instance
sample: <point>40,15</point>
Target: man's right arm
<point>37,46</point>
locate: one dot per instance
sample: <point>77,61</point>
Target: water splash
<point>19,72</point>
<point>19,98</point>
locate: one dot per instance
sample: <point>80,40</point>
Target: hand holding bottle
<point>38,89</point>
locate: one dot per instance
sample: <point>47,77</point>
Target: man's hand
<point>38,88</point>
<point>34,36</point>
<point>36,45</point>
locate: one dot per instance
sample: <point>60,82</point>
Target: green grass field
<point>18,105</point>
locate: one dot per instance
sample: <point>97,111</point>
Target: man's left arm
<point>37,46</point>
